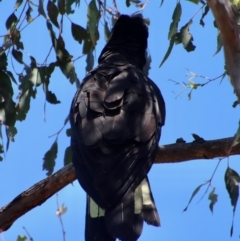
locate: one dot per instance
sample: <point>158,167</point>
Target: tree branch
<point>226,18</point>
<point>173,153</point>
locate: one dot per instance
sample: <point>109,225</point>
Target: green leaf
<point>69,71</point>
<point>7,105</point>
<point>68,5</point>
<point>68,156</point>
<point>64,59</point>
<point>61,6</point>
<point>18,56</point>
<point>87,46</point>
<point>237,136</point>
<point>25,84</point>
<point>193,85</point>
<point>107,31</point>
<point>21,238</point>
<point>11,77</point>
<point>28,15</point>
<point>46,73</point>
<point>93,17</point>
<point>3,59</point>
<point>5,84</point>
<point>24,101</point>
<point>89,61</point>
<point>128,3</point>
<point>185,37</point>
<point>213,197</point>
<point>66,120</point>
<point>52,35</point>
<point>33,62</point>
<point>53,13</point>
<point>69,132</point>
<point>1,149</point>
<point>6,44</point>
<point>206,10</point>
<point>41,9</point>
<point>35,77</point>
<point>2,114</point>
<point>175,20</point>
<point>193,195</point>
<point>232,180</point>
<point>190,95</point>
<point>235,103</point>
<point>11,21</point>
<point>11,132</point>
<point>169,50</point>
<point>51,98</point>
<point>49,158</point>
<point>232,185</point>
<point>79,33</point>
<point>18,4</point>
<point>219,43</point>
<point>24,97</point>
<point>15,37</point>
<point>231,230</point>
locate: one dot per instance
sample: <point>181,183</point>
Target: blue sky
<point>208,114</point>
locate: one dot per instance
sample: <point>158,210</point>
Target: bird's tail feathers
<point>122,222</point>
<point>95,228</point>
<point>149,210</point>
<point>125,220</point>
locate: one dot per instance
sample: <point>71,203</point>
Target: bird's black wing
<point>116,118</point>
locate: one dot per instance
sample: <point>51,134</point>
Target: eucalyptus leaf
<point>50,157</point>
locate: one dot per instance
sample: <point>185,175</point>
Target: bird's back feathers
<point>116,118</point>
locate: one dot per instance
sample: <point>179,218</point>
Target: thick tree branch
<point>181,152</point>
<point>173,153</point>
<point>226,18</point>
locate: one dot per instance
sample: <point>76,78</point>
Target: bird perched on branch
<point>116,118</point>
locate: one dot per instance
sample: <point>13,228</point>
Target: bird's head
<point>128,37</point>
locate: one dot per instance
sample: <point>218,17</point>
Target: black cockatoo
<point>116,118</point>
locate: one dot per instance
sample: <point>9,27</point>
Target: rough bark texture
<point>173,153</point>
<point>226,19</point>
<point>35,196</point>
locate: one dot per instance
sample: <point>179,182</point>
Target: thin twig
<point>210,180</point>
<point>29,236</point>
<point>65,123</point>
<point>192,85</point>
<point>198,11</point>
<point>60,219</point>
<point>30,22</point>
<point>22,14</point>
<point>143,5</point>
<point>45,61</point>
<point>78,57</point>
<point>116,8</point>
<point>34,4</point>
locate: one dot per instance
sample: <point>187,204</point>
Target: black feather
<point>116,118</point>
